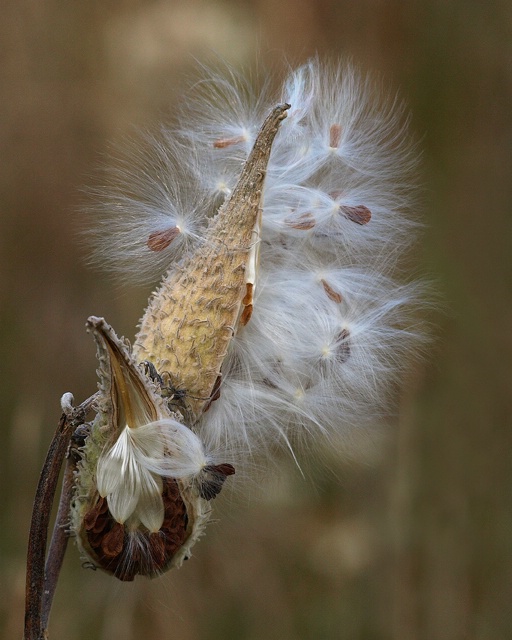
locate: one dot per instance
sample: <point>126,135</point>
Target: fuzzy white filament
<point>129,474</point>
<point>332,326</point>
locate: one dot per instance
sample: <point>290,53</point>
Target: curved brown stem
<point>39,529</point>
<point>40,587</point>
<point>59,541</point>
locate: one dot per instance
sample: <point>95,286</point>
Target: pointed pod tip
<point>93,322</point>
<point>280,111</point>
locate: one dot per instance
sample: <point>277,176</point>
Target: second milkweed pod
<point>191,319</point>
<point>144,480</point>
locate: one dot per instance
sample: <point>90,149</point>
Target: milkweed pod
<point>192,318</point>
<point>144,479</point>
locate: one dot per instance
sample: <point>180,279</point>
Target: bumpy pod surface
<point>192,318</point>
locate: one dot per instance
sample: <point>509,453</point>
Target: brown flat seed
<point>213,479</point>
<point>175,517</point>
<point>269,383</point>
<point>172,544</point>
<point>247,299</point>
<point>335,136</point>
<point>136,555</point>
<point>303,223</point>
<point>101,522</point>
<point>343,351</point>
<point>358,214</point>
<point>157,549</point>
<point>215,394</point>
<point>332,293</point>
<point>160,240</point>
<point>90,519</point>
<point>246,315</point>
<point>216,389</point>
<point>103,505</point>
<point>228,142</point>
<point>113,542</point>
<point>95,539</point>
<point>92,515</point>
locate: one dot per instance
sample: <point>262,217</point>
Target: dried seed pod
<point>192,317</point>
<point>144,479</point>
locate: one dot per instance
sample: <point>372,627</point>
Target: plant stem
<point>59,541</point>
<point>39,529</point>
<point>41,580</point>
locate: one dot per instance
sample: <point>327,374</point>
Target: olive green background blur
<point>412,538</point>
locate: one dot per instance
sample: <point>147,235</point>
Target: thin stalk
<point>59,540</point>
<point>41,580</point>
<point>39,529</point>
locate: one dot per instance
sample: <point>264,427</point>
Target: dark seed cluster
<point>125,554</point>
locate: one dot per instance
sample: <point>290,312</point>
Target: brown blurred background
<point>411,539</point>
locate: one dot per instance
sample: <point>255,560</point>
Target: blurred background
<point>411,538</point>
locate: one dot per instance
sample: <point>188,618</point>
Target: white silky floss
<point>323,324</point>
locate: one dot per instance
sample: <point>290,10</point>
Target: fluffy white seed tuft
<point>332,327</point>
<point>129,474</point>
